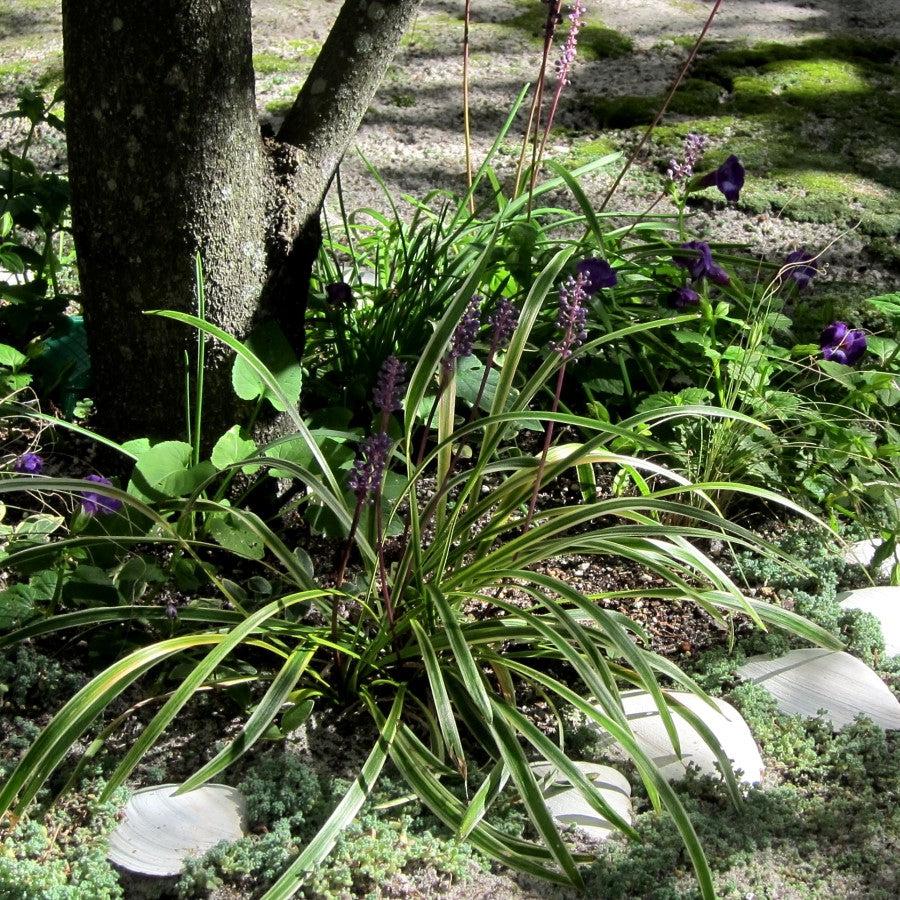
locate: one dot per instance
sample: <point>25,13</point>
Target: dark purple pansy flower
<point>683,297</point>
<point>389,386</point>
<point>338,293</point>
<point>728,178</point>
<point>803,268</point>
<point>29,464</point>
<point>94,503</point>
<point>598,274</point>
<point>700,263</point>
<point>842,344</point>
<point>368,467</point>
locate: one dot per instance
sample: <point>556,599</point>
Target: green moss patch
<point>600,42</point>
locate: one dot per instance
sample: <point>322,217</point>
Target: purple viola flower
<point>368,467</point>
<point>29,464</point>
<point>463,341</point>
<point>684,297</point>
<point>598,273</point>
<point>571,319</point>
<point>339,293</point>
<point>700,263</point>
<point>803,268</point>
<point>94,503</point>
<point>388,392</point>
<point>728,178</point>
<point>842,344</point>
<point>503,321</point>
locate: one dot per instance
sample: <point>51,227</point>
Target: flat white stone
<point>727,725</point>
<point>884,604</point>
<point>805,681</point>
<point>568,807</point>
<point>863,552</point>
<point>159,831</point>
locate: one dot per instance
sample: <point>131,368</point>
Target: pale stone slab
<point>568,807</point>
<point>863,552</point>
<point>805,681</point>
<point>884,604</point>
<point>727,725</point>
<point>159,831</point>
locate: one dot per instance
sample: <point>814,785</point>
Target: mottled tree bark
<point>166,160</point>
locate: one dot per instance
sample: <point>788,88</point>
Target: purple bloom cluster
<point>728,178</point>
<point>842,344</point>
<point>503,321</point>
<point>572,317</point>
<point>692,150</point>
<point>684,297</point>
<point>803,268</point>
<point>598,273</point>
<point>94,503</point>
<point>570,48</point>
<point>368,468</point>
<point>700,263</point>
<point>29,464</point>
<point>339,293</point>
<point>388,391</point>
<point>463,340</point>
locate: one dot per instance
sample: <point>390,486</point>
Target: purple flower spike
<point>570,48</point>
<point>841,344</point>
<point>29,464</point>
<point>701,265</point>
<point>463,340</point>
<point>802,274</point>
<point>598,274</point>
<point>503,321</point>
<point>339,293</point>
<point>693,147</point>
<point>94,503</point>
<point>684,297</point>
<point>572,317</point>
<point>728,178</point>
<point>368,467</point>
<point>388,391</point>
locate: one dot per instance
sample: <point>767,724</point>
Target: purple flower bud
<point>700,263</point>
<point>29,464</point>
<point>802,274</point>
<point>388,391</point>
<point>728,178</point>
<point>368,467</point>
<point>171,608</point>
<point>572,316</point>
<point>339,293</point>
<point>503,321</point>
<point>94,503</point>
<point>841,344</point>
<point>598,274</point>
<point>463,340</point>
<point>683,297</point>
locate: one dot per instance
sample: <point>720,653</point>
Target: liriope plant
<point>440,685</point>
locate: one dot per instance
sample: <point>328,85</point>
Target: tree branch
<point>336,94</point>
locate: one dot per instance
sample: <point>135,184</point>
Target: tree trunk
<point>166,160</point>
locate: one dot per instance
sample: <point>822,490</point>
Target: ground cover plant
<point>491,384</point>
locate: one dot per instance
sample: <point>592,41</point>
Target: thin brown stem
<point>662,111</point>
<point>534,124</point>
<point>467,132</point>
<point>342,569</point>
